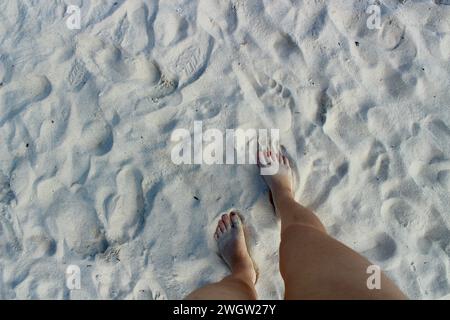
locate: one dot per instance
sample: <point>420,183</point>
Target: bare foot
<point>281,181</point>
<point>231,242</point>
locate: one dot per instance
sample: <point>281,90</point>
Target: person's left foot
<point>231,242</point>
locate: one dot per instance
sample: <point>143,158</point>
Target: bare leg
<point>313,264</point>
<point>240,284</point>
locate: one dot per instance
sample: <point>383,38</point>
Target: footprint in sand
<point>278,104</point>
<point>337,120</point>
<point>138,74</point>
<point>123,23</point>
<point>374,150</point>
<point>349,17</point>
<point>322,177</point>
<point>306,21</point>
<point>164,87</point>
<point>202,108</point>
<point>434,231</point>
<point>170,27</point>
<point>75,221</point>
<point>10,244</point>
<point>137,28</point>
<point>75,169</point>
<point>129,99</point>
<point>5,70</point>
<point>391,34</point>
<point>39,244</point>
<point>385,124</point>
<point>394,38</point>
<point>398,211</point>
<point>96,137</point>
<point>148,288</point>
<point>92,134</point>
<point>135,78</point>
<point>376,159</point>
<point>217,17</point>
<point>382,249</point>
<point>436,173</point>
<point>6,194</point>
<point>439,132</point>
<point>101,58</point>
<point>436,33</point>
<point>127,216</point>
<point>78,75</point>
<point>284,47</point>
<point>187,56</point>
<point>270,100</point>
<point>16,96</point>
<point>431,170</point>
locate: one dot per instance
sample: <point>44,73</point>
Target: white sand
<point>86,118</point>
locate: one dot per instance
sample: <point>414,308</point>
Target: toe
<point>272,83</point>
<point>218,232</point>
<point>222,226</point>
<point>285,93</point>
<point>226,221</point>
<point>273,156</point>
<point>263,159</point>
<point>234,219</point>
<point>278,88</point>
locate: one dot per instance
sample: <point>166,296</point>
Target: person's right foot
<point>281,181</point>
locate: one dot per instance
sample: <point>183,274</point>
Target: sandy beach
<point>92,91</point>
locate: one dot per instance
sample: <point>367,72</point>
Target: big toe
<point>235,220</point>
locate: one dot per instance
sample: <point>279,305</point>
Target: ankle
<point>245,273</point>
<point>243,266</point>
<point>282,194</point>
